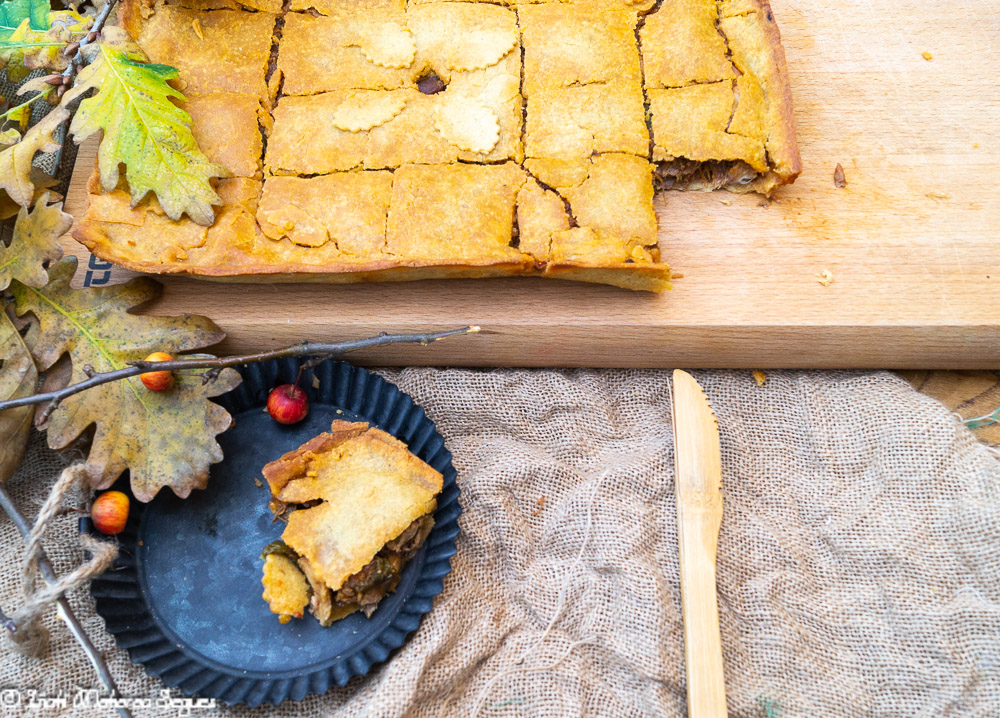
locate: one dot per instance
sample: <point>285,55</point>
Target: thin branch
<point>319,350</point>
<point>76,49</point>
<point>49,574</point>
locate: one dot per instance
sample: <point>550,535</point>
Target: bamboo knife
<point>698,480</point>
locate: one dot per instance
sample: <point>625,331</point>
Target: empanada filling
<point>685,174</point>
<point>363,590</point>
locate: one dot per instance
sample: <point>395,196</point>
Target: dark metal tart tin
<point>184,596</point>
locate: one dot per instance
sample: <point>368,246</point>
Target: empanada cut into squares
<point>404,139</point>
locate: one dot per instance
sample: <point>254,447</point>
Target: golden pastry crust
<point>693,121</point>
<point>225,125</point>
<point>432,204</point>
<point>611,200</point>
<point>576,122</point>
<point>756,48</point>
<point>371,489</point>
<point>753,147</point>
<point>285,587</point>
<point>681,45</point>
<point>271,6</point>
<point>347,209</point>
<point>217,51</point>
<point>406,126</point>
<point>323,54</point>
<point>343,8</point>
<point>566,44</point>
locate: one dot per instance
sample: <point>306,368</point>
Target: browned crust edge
<point>292,464</point>
<point>787,161</point>
<point>655,277</point>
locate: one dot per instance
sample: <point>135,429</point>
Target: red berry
<point>158,380</point>
<point>110,512</point>
<point>287,404</point>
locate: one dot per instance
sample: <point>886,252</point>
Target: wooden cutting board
<point>912,243</point>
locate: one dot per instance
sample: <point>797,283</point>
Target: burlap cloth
<point>859,559</point>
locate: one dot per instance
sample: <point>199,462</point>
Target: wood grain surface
<point>912,242</point>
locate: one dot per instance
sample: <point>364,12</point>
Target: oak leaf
<point>32,36</point>
<point>34,245</point>
<point>163,438</point>
<point>18,378</point>
<point>143,129</point>
<point>15,161</point>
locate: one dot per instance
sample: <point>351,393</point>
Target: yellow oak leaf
<point>143,129</point>
<point>34,245</point>
<point>32,37</point>
<point>15,161</point>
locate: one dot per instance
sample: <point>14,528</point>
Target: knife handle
<point>699,516</point>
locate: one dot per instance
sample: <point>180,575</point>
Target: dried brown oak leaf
<point>163,438</point>
<point>34,245</point>
<point>18,378</point>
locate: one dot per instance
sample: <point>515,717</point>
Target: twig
<point>49,574</point>
<point>69,74</point>
<point>319,350</point>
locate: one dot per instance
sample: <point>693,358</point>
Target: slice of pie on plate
<point>359,505</point>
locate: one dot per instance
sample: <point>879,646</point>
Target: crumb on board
<point>196,26</point>
<point>975,145</point>
<point>676,275</point>
<point>725,202</point>
<point>540,501</point>
<point>927,56</point>
<point>839,178</point>
<point>825,277</point>
<point>936,195</point>
<point>258,483</point>
<point>760,377</point>
<point>315,382</point>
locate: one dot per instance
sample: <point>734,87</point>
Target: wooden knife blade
<point>698,485</point>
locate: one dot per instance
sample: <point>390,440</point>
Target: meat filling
<point>363,590</point>
<point>381,576</point>
<point>681,173</point>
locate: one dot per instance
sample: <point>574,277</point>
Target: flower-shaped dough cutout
<point>480,49</point>
<point>388,44</point>
<point>468,124</point>
<point>463,36</point>
<point>366,109</point>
